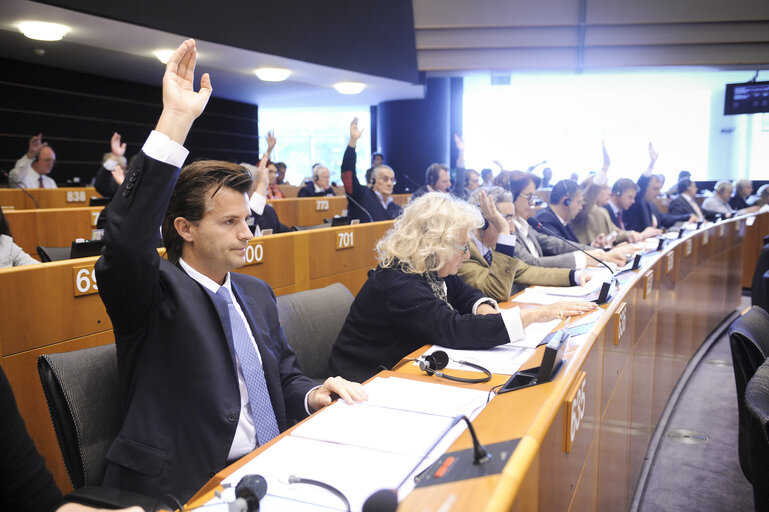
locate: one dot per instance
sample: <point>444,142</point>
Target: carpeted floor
<point>700,476</point>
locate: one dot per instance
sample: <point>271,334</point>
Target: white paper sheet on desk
<point>650,244</point>
<point>357,472</point>
<point>425,397</point>
<point>377,428</point>
<point>599,276</point>
<point>503,359</point>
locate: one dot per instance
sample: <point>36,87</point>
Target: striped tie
<point>258,395</point>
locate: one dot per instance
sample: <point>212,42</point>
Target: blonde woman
<point>414,297</point>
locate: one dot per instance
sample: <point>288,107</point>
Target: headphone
<point>567,201</point>
<point>371,177</point>
<point>433,364</point>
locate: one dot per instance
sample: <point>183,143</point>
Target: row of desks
<point>582,438</point>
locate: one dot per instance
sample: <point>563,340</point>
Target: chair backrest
<point>82,391</point>
<point>749,341</point>
<point>312,320</point>
<point>53,253</point>
<point>757,407</point>
<point>758,295</point>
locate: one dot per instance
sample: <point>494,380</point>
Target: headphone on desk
<point>433,364</point>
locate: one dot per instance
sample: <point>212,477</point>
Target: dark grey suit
<point>550,250</point>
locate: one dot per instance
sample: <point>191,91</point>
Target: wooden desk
<point>308,211</point>
<point>583,436</point>
<point>63,197</point>
<point>51,226</point>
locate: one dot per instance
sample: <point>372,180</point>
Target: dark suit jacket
<point>364,196</point>
<point>179,391</point>
<point>104,183</point>
<point>737,202</point>
<point>269,220</point>
<point>639,216</point>
<point>548,219</point>
<point>308,190</point>
<point>680,206</point>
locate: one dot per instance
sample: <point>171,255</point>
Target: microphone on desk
<point>18,185</point>
<point>386,500</point>
<point>411,180</point>
<point>604,296</point>
<point>349,198</point>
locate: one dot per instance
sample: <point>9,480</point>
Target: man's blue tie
<point>258,396</point>
<point>487,257</point>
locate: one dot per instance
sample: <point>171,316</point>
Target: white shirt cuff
<point>580,260</point>
<point>160,147</point>
<point>485,300</point>
<point>508,239</point>
<point>513,323</point>
<point>257,203</point>
<point>307,400</point>
<point>600,178</point>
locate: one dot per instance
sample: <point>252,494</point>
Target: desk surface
<point>583,436</point>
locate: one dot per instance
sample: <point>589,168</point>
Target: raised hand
<point>653,155</point>
<point>35,145</point>
<point>118,149</point>
<point>459,143</point>
<point>181,104</point>
<point>606,159</point>
<point>491,214</point>
<point>355,132</point>
<point>271,141</point>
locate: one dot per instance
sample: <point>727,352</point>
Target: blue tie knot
<point>224,293</point>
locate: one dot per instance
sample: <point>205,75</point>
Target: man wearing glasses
<point>368,204</point>
<point>32,169</point>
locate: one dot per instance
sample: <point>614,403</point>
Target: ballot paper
<point>503,359</point>
<point>424,397</point>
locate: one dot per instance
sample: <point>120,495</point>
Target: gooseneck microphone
<point>18,185</point>
<point>603,297</point>
<point>413,182</point>
<point>356,203</point>
<point>386,500</point>
<point>530,169</point>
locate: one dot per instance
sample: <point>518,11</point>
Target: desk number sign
<point>344,240</point>
<point>254,252</point>
<point>620,322</point>
<point>85,280</point>
<point>95,218</point>
<point>321,205</point>
<point>76,196</point>
<point>670,261</point>
<point>575,411</point>
<point>648,284</point>
<point>705,235</point>
<point>688,250</point>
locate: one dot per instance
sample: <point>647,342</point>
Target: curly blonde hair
<point>427,234</point>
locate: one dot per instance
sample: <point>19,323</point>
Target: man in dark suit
<point>320,185</point>
<point>565,203</point>
<point>685,203</point>
<point>437,179</point>
<point>205,372</point>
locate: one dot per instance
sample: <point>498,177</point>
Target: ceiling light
<point>349,87</point>
<point>43,31</point>
<point>272,74</point>
<point>163,55</point>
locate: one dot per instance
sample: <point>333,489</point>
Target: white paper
<point>503,359</point>
<point>424,397</point>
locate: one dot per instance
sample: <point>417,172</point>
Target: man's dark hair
<point>374,155</point>
<point>5,229</point>
<point>684,174</point>
<point>683,185</point>
<point>281,165</point>
<point>486,174</point>
<point>622,185</point>
<point>564,188</point>
<point>519,180</point>
<point>433,173</point>
<point>198,182</point>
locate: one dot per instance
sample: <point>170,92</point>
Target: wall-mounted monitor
<point>747,98</point>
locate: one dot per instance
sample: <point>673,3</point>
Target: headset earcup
<point>440,360</point>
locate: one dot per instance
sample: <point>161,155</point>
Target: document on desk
<point>425,397</point>
<point>503,359</point>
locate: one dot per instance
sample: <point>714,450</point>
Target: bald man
<point>33,168</point>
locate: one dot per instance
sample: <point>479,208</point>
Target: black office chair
<point>312,320</point>
<point>53,253</point>
<point>758,294</point>
<point>757,407</point>
<point>81,388</point>
<point>749,341</point>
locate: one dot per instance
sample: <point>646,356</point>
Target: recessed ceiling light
<point>272,74</point>
<point>349,87</point>
<point>163,55</point>
<point>43,31</point>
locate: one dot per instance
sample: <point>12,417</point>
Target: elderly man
<point>368,204</point>
<point>33,168</point>
<point>742,190</point>
<point>718,203</point>
<point>320,185</point>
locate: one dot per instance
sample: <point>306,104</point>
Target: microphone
<point>603,297</point>
<point>18,185</point>
<point>386,500</point>
<point>349,198</point>
<point>536,165</point>
<point>409,178</point>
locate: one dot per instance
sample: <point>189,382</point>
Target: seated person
<point>437,179</point>
<point>686,204</point>
<point>742,191</point>
<point>644,213</point>
<point>623,194</point>
<point>761,197</point>
<point>492,267</point>
<point>673,191</point>
<point>376,160</point>
<point>11,255</point>
<point>206,374</point>
<point>264,215</point>
<point>320,185</point>
<point>368,204</point>
<point>719,204</point>
<point>415,298</point>
<point>112,171</point>
<point>565,203</point>
<point>273,191</point>
<point>33,168</point>
<point>280,179</point>
<point>547,177</point>
<point>487,175</point>
<point>537,248</point>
